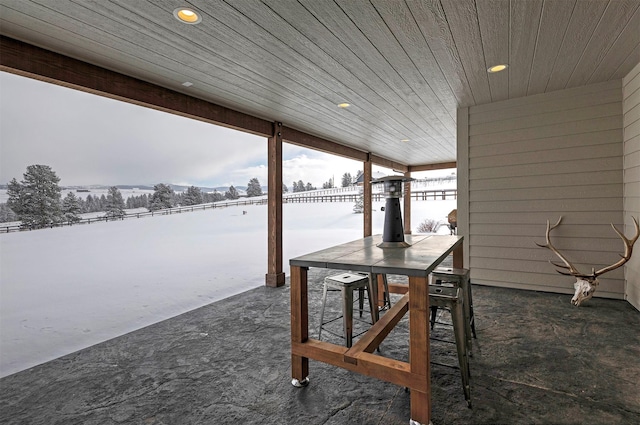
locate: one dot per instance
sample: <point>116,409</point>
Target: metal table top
<point>362,255</point>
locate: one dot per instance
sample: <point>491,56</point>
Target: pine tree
<point>346,180</point>
<point>102,202</point>
<point>71,208</point>
<point>217,196</point>
<point>285,189</point>
<point>7,214</point>
<point>14,191</point>
<point>300,186</point>
<point>161,198</point>
<point>36,199</point>
<point>114,206</point>
<point>232,193</point>
<point>90,204</point>
<point>193,196</point>
<point>253,188</point>
<point>358,208</point>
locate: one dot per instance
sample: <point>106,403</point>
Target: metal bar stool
<point>346,283</point>
<point>459,278</point>
<point>451,299</point>
<point>386,299</point>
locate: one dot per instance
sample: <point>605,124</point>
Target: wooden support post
<point>368,208</point>
<point>419,347</point>
<point>275,276</point>
<point>407,204</point>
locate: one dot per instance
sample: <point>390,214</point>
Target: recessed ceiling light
<point>186,15</point>
<point>343,105</point>
<point>497,68</point>
<point>404,140</point>
<point>187,84</point>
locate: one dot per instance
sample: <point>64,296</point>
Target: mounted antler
<point>586,284</point>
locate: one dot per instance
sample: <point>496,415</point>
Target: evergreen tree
<point>14,191</point>
<point>114,206</point>
<point>217,196</point>
<point>102,202</point>
<point>71,208</point>
<point>232,193</point>
<point>90,204</point>
<point>254,189</point>
<point>300,186</point>
<point>161,198</point>
<point>7,214</point>
<point>346,180</point>
<point>328,185</point>
<point>36,199</point>
<point>285,189</point>
<point>193,196</point>
<point>358,208</point>
<point>309,187</point>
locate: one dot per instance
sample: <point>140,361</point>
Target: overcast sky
<point>88,139</point>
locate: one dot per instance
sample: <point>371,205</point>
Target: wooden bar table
<point>417,261</point>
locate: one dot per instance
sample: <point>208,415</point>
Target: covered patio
<point>537,359</point>
<point>406,85</point>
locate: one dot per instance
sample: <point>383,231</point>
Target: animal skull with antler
<point>586,284</point>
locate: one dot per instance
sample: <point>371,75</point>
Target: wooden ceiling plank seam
<point>619,55</point>
<point>493,19</point>
<point>383,39</point>
<point>249,80</point>
<point>418,132</point>
<point>631,60</point>
<point>288,110</point>
<point>610,26</point>
<point>462,18</point>
<point>384,69</point>
<point>525,21</point>
<point>554,21</point>
<point>584,19</point>
<point>385,76</point>
<point>431,21</point>
<point>254,101</point>
<point>417,49</point>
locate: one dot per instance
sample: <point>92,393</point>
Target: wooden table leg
<point>458,257</point>
<point>419,347</point>
<point>299,323</point>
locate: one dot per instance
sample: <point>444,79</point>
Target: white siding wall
<point>631,122</point>
<point>535,158</point>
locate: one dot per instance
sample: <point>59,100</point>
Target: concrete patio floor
<point>537,360</point>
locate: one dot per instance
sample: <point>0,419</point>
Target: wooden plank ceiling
<point>403,65</point>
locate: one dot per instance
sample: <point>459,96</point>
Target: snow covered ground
<point>65,289</point>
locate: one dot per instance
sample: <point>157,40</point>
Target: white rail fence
<point>348,194</point>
